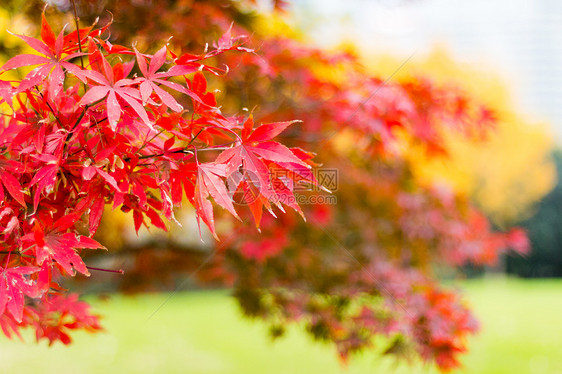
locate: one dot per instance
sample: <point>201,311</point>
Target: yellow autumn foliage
<point>17,24</point>
<point>508,172</point>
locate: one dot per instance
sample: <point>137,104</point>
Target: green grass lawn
<point>203,332</point>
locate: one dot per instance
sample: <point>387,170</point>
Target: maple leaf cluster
<point>96,124</point>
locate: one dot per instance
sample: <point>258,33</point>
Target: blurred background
<point>506,54</point>
<point>516,49</point>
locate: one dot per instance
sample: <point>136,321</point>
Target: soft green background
<point>203,332</point>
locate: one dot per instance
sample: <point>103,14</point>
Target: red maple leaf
<point>51,64</point>
<point>210,182</point>
<point>13,286</point>
<point>7,170</point>
<point>111,87</point>
<point>60,313</point>
<point>56,245</point>
<point>152,78</point>
<point>247,165</point>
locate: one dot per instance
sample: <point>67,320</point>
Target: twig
<point>78,32</point>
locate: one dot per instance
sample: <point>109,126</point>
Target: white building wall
<point>520,39</point>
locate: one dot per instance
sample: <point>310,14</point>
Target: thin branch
<point>51,109</point>
<point>76,19</point>
<point>195,137</point>
<point>148,141</point>
<point>15,253</point>
<point>120,271</point>
<point>184,151</point>
<point>71,132</point>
